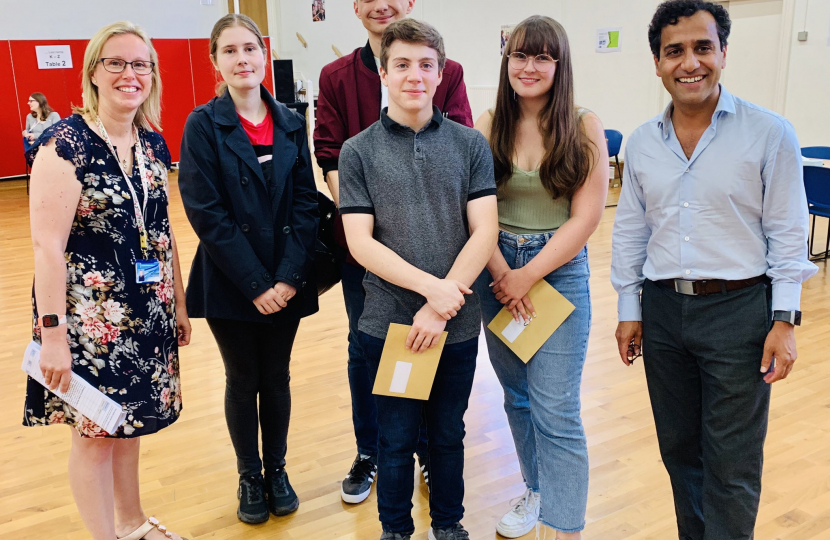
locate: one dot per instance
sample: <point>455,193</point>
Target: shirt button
<point>686,239</point>
<point>286,230</point>
<point>688,272</point>
<point>245,227</point>
<point>685,205</point>
<point>244,180</point>
<point>687,170</point>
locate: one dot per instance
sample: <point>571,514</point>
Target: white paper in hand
<point>513,330</point>
<point>84,397</point>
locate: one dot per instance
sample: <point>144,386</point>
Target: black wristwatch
<point>51,320</point>
<point>792,317</point>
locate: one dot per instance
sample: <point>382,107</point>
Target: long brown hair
<point>45,109</point>
<point>568,155</point>
<point>229,20</point>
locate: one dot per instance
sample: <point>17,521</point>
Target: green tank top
<point>526,207</point>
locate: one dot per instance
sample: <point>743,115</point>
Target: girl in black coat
<point>248,190</point>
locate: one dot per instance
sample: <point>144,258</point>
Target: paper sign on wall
<point>53,57</point>
<point>608,40</point>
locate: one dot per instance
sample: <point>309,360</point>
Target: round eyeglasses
<point>116,65</point>
<point>542,62</point>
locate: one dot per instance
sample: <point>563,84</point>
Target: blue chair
<point>817,187</point>
<point>614,139</point>
<point>816,152</point>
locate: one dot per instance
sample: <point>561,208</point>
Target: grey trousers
<point>702,357</point>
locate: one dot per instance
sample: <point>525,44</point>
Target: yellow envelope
<point>525,339</point>
<point>405,374</point>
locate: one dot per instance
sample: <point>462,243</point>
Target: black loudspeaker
<point>284,81</point>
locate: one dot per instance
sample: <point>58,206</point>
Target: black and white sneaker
<point>358,483</point>
<point>423,463</point>
<point>252,506</point>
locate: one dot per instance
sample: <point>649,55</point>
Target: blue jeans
<point>364,412</point>
<point>541,398</point>
<point>400,419</point>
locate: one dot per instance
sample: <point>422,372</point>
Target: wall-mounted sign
<point>53,57</point>
<point>608,40</point>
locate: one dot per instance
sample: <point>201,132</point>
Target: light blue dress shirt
<point>735,210</point>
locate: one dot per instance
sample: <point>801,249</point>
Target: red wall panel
<point>62,87</point>
<point>188,79</point>
<point>11,124</point>
<point>177,90</point>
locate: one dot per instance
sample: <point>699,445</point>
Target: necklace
<point>124,159</point>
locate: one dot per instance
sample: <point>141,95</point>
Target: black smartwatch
<point>792,317</point>
<point>51,320</point>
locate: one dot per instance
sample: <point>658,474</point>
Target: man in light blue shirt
<point>711,229</point>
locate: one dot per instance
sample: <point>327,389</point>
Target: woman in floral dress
<point>122,329</point>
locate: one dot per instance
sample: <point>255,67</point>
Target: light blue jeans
<point>541,398</point>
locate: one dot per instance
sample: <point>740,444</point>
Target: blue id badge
<point>147,271</point>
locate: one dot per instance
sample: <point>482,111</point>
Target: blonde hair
<point>149,113</point>
<point>229,20</point>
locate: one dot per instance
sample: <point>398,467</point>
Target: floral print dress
<point>122,334</point>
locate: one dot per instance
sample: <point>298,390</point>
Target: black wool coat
<point>248,240</point>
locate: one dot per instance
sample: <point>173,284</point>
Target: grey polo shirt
<point>417,185</point>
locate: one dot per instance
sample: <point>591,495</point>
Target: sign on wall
<point>608,40</point>
<point>53,57</point>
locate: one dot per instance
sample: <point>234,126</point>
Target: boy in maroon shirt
<point>350,99</point>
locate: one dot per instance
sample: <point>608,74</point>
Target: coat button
<point>244,180</point>
<point>286,230</point>
<point>245,227</point>
<point>254,285</point>
<point>267,276</point>
<point>303,285</point>
<point>296,276</point>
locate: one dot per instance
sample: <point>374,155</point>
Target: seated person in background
<point>418,200</point>
<point>41,118</point>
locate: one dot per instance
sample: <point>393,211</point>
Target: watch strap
<point>51,320</point>
<point>792,317</point>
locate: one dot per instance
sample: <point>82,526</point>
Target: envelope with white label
<point>525,338</point>
<point>403,373</point>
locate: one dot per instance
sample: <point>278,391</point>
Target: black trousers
<point>256,358</point>
<point>702,357</point>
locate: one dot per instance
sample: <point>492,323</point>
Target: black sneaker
<point>281,497</point>
<point>424,465</point>
<point>394,536</point>
<point>358,483</point>
<point>456,532</point>
<point>252,506</point>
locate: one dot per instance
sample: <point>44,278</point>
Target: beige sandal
<point>147,526</point>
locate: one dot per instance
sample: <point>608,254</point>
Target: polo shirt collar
<point>726,104</point>
<point>389,124</point>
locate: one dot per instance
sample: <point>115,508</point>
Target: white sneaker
<point>521,519</point>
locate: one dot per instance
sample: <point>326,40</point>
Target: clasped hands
<point>275,298</point>
<point>444,298</point>
<point>511,288</point>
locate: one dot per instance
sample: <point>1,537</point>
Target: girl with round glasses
<point>550,160</point>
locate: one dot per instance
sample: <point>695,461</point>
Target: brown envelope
<point>405,374</point>
<point>525,339</point>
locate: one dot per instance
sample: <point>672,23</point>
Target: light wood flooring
<point>188,471</point>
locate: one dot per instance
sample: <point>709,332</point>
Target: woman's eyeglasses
<point>542,62</point>
<point>116,65</point>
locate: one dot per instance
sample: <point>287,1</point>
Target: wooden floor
<point>188,471</point>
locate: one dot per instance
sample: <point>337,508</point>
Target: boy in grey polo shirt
<point>417,194</point>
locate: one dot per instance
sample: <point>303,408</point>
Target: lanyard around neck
<point>146,181</point>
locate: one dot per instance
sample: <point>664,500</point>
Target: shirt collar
<point>726,104</point>
<point>390,124</point>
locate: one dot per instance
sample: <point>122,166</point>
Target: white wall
<point>80,19</point>
<point>621,88</point>
<point>808,87</point>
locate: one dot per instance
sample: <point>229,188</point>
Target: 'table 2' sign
<point>53,57</point>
